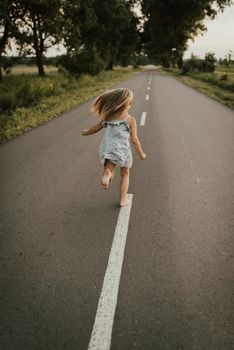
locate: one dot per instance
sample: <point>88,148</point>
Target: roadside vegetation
<point>27,100</point>
<point>215,81</point>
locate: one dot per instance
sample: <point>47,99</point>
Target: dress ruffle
<point>115,123</point>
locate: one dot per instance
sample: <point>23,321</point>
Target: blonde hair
<point>112,103</point>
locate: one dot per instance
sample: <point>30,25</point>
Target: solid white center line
<point>147,97</point>
<point>103,324</point>
<point>143,116</point>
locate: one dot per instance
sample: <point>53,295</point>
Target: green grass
<point>218,85</point>
<point>27,100</point>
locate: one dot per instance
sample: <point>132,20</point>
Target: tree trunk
<point>3,42</point>
<point>110,65</point>
<point>165,61</point>
<point>38,48</point>
<point>0,74</point>
<point>180,62</point>
<point>40,67</point>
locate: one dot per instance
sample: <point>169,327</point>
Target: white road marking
<point>143,116</point>
<point>149,83</point>
<point>198,180</point>
<point>147,97</point>
<point>148,88</point>
<point>103,324</point>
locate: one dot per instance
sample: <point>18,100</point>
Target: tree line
<point>99,33</point>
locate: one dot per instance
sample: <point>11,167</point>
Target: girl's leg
<point>108,175</point>
<point>124,183</point>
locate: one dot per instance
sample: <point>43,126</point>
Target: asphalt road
<point>57,224</point>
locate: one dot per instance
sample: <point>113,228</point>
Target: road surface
<point>176,288</point>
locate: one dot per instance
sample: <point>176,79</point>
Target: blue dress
<point>115,145</point>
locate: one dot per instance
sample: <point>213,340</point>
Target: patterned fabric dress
<point>115,144</point>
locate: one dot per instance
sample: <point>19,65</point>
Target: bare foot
<point>106,179</point>
<point>123,202</point>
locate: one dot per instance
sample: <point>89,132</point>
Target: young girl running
<point>112,108</point>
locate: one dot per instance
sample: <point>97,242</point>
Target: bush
<point>196,65</point>
<point>31,92</point>
<point>27,92</point>
<point>224,77</point>
<point>7,101</point>
<point>25,95</point>
<point>88,62</point>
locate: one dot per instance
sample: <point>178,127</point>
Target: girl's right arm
<point>135,140</point>
<point>92,130</point>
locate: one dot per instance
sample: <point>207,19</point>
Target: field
<point>23,69</point>
<point>218,85</point>
<point>27,100</point>
<point>222,77</point>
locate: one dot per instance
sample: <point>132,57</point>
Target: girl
<point>112,108</point>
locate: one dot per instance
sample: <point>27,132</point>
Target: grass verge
<point>210,84</point>
<point>27,69</point>
<point>27,101</point>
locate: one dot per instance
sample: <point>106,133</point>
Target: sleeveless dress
<point>115,145</point>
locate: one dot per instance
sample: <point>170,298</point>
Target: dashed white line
<point>149,83</point>
<point>147,97</point>
<point>143,117</point>
<point>103,324</point>
<point>148,88</point>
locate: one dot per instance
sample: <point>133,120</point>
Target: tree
<point>171,23</point>
<point>79,23</point>
<point>195,64</point>
<point>40,27</point>
<point>98,32</point>
<point>9,12</point>
<point>116,27</point>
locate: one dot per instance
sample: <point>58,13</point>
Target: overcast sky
<point>219,37</point>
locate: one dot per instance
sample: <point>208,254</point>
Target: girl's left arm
<point>92,130</point>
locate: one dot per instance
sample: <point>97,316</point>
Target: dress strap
<point>127,123</point>
<point>116,123</point>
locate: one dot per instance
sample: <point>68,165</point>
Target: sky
<point>219,37</point>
